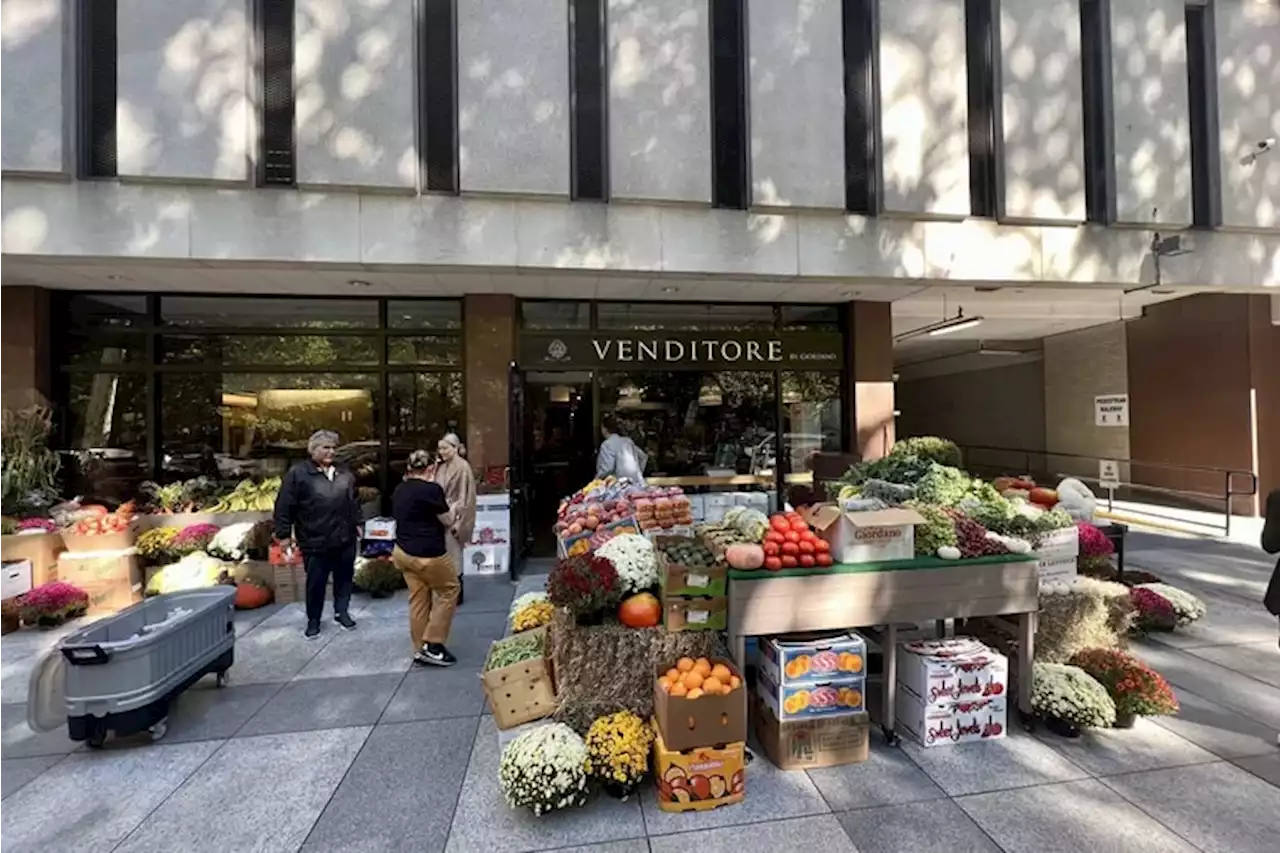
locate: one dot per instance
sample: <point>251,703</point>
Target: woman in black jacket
<point>317,504</point>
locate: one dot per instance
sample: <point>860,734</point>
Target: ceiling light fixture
<point>957,323</point>
<point>1009,351</point>
<point>670,289</point>
<point>356,282</point>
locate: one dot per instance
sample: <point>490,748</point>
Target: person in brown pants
<point>422,520</point>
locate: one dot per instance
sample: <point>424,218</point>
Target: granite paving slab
<point>1263,766</point>
<point>1014,761</point>
<point>15,675</point>
<point>822,832</point>
<point>377,646</point>
<point>887,777</point>
<point>1248,696</point>
<point>209,712</point>
<point>1256,660</point>
<point>430,694</point>
<point>487,594</point>
<point>1227,620</point>
<point>274,652</point>
<point>323,703</point>
<point>471,635</point>
<point>17,772</point>
<point>247,620</point>
<point>1220,730</point>
<point>393,607</point>
<point>18,740</point>
<point>936,826</point>
<point>261,794</point>
<point>633,845</point>
<point>1220,808</point>
<point>408,775</point>
<point>483,822</point>
<point>1069,816</point>
<point>90,801</point>
<point>1146,746</point>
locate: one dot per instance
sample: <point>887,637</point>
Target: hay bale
<point>602,669</point>
<point>1091,614</point>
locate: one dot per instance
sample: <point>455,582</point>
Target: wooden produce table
<point>877,597</point>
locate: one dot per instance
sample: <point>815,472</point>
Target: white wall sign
<point>1109,473</point>
<point>1111,410</point>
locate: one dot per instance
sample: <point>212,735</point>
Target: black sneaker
<point>345,622</point>
<point>313,630</point>
<point>434,654</point>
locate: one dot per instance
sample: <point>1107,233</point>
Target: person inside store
<point>1271,544</point>
<point>618,454</point>
<point>455,476</point>
<point>423,521</point>
<point>317,509</point>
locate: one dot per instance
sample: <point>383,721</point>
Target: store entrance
<point>560,447</point>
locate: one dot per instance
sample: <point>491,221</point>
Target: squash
<point>250,595</point>
<point>640,611</point>
<point>744,556</point>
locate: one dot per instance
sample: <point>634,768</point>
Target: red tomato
<point>822,546</point>
<point>807,535</point>
<point>791,536</point>
<point>798,525</point>
<point>824,560</point>
<point>771,549</point>
<point>772,564</point>
<point>774,536</point>
<point>792,516</point>
<point>791,548</point>
<point>780,524</point>
<point>806,547</point>
<point>789,562</point>
<point>807,560</point>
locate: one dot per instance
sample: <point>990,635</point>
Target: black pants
<point>341,564</point>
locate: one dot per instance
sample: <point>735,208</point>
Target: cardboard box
<point>865,537</point>
<point>703,722</point>
<point>520,693</point>
<point>42,549</point>
<point>831,698</point>
<point>812,659</point>
<point>695,614</point>
<point>944,671</point>
<point>16,578</point>
<point>700,778</point>
<point>486,559</point>
<point>962,721</point>
<point>107,597</point>
<point>82,569</point>
<point>680,580</point>
<point>810,744</point>
<point>380,529</point>
<point>99,543</point>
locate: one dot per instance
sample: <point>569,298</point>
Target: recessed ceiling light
<point>355,282</point>
<point>116,277</point>
<point>670,289</point>
<point>849,294</point>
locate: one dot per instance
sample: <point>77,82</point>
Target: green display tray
<point>882,566</point>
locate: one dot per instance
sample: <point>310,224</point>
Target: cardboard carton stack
<point>810,709</point>
<point>952,691</point>
<point>521,692</point>
<point>694,598</point>
<point>865,536</point>
<point>699,750</point>
<point>113,579</point>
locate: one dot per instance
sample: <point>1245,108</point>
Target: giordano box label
<point>748,350</point>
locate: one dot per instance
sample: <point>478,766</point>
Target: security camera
<point>1262,146</point>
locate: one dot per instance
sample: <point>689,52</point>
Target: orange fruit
<point>664,683</point>
<point>678,689</point>
<point>685,664</point>
<point>713,685</point>
<point>694,693</point>
<point>734,682</point>
<point>721,672</point>
<point>692,679</point>
<point>703,666</point>
<point>673,674</point>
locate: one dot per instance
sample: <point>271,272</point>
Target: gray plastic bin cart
<point>120,674</point>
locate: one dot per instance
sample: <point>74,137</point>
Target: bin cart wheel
<point>890,736</point>
<point>222,678</point>
<point>96,733</point>
<point>159,729</point>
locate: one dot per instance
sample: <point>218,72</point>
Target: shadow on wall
<point>32,107</point>
<point>1249,109</point>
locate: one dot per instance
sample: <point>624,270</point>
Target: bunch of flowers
<point>53,603</point>
<point>1155,613</point>
<point>618,751</point>
<point>1187,608</point>
<point>1063,692</point>
<point>1095,550</point>
<point>532,615</point>
<point>635,559</point>
<point>193,538</point>
<point>586,585</point>
<point>156,544</point>
<point>232,541</point>
<point>545,769</point>
<point>1137,690</point>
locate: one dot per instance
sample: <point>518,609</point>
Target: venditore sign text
<point>753,350</point>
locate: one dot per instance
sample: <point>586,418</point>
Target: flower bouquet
<point>193,538</point>
<point>587,585</point>
<point>1155,613</point>
<point>634,558</point>
<point>232,541</point>
<point>51,604</point>
<point>1187,608</point>
<point>156,544</point>
<point>1095,550</point>
<point>1137,690</point>
<point>545,769</point>
<point>1069,699</point>
<point>618,752</point>
<point>529,611</point>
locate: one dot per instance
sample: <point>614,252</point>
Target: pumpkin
<point>744,556</point>
<point>251,596</point>
<point>640,611</point>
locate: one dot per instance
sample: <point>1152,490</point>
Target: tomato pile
<point>790,543</point>
<point>100,522</point>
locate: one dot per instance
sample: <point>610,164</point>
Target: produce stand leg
<point>889,653</point>
<point>1026,657</point>
<point>738,650</point>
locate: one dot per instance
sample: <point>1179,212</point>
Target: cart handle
<point>86,655</point>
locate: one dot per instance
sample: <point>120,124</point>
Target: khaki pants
<point>433,595</point>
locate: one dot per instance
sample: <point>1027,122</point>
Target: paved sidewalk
<point>337,745</point>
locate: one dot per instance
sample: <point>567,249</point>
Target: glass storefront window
<point>435,350</point>
<point>819,317</point>
<point>424,314</point>
<point>555,316</point>
<point>267,312</point>
<point>423,407</point>
<point>104,350</point>
<point>693,423</point>
<point>283,350</point>
<point>690,316</point>
<point>105,310</point>
<point>812,420</point>
<point>107,434</point>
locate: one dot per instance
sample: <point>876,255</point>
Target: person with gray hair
<point>318,509</point>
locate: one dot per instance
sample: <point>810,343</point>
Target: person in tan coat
<point>423,519</point>
<point>455,476</point>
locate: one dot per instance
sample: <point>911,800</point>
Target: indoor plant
<point>545,769</point>
<point>618,752</point>
<point>1069,699</point>
<point>51,604</point>
<point>1137,689</point>
<point>635,560</point>
<point>586,585</point>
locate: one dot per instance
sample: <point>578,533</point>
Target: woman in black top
<point>422,519</point>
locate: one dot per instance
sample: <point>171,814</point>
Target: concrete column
<point>488,348</point>
<point>1264,357</point>
<point>869,378</point>
<point>24,318</point>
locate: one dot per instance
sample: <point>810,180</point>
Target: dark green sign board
<point>625,350</point>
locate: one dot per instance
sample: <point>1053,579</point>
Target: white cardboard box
<point>486,559</point>
<point>16,579</point>
<point>493,520</point>
<point>865,537</point>
<point>941,672</point>
<point>961,721</point>
<point>380,529</point>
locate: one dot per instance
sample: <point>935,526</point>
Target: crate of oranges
<point>700,703</point>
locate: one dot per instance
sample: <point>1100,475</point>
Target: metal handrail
<point>1229,478</point>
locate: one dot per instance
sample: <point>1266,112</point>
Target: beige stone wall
<point>1079,366</point>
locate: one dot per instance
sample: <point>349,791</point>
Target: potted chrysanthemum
<point>1068,699</point>
<point>1137,689</point>
<point>545,769</point>
<point>1187,608</point>
<point>618,752</point>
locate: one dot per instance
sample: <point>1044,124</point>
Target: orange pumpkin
<point>640,611</point>
<point>251,596</point>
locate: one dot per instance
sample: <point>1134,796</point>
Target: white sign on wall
<point>1109,473</point>
<point>1111,410</point>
